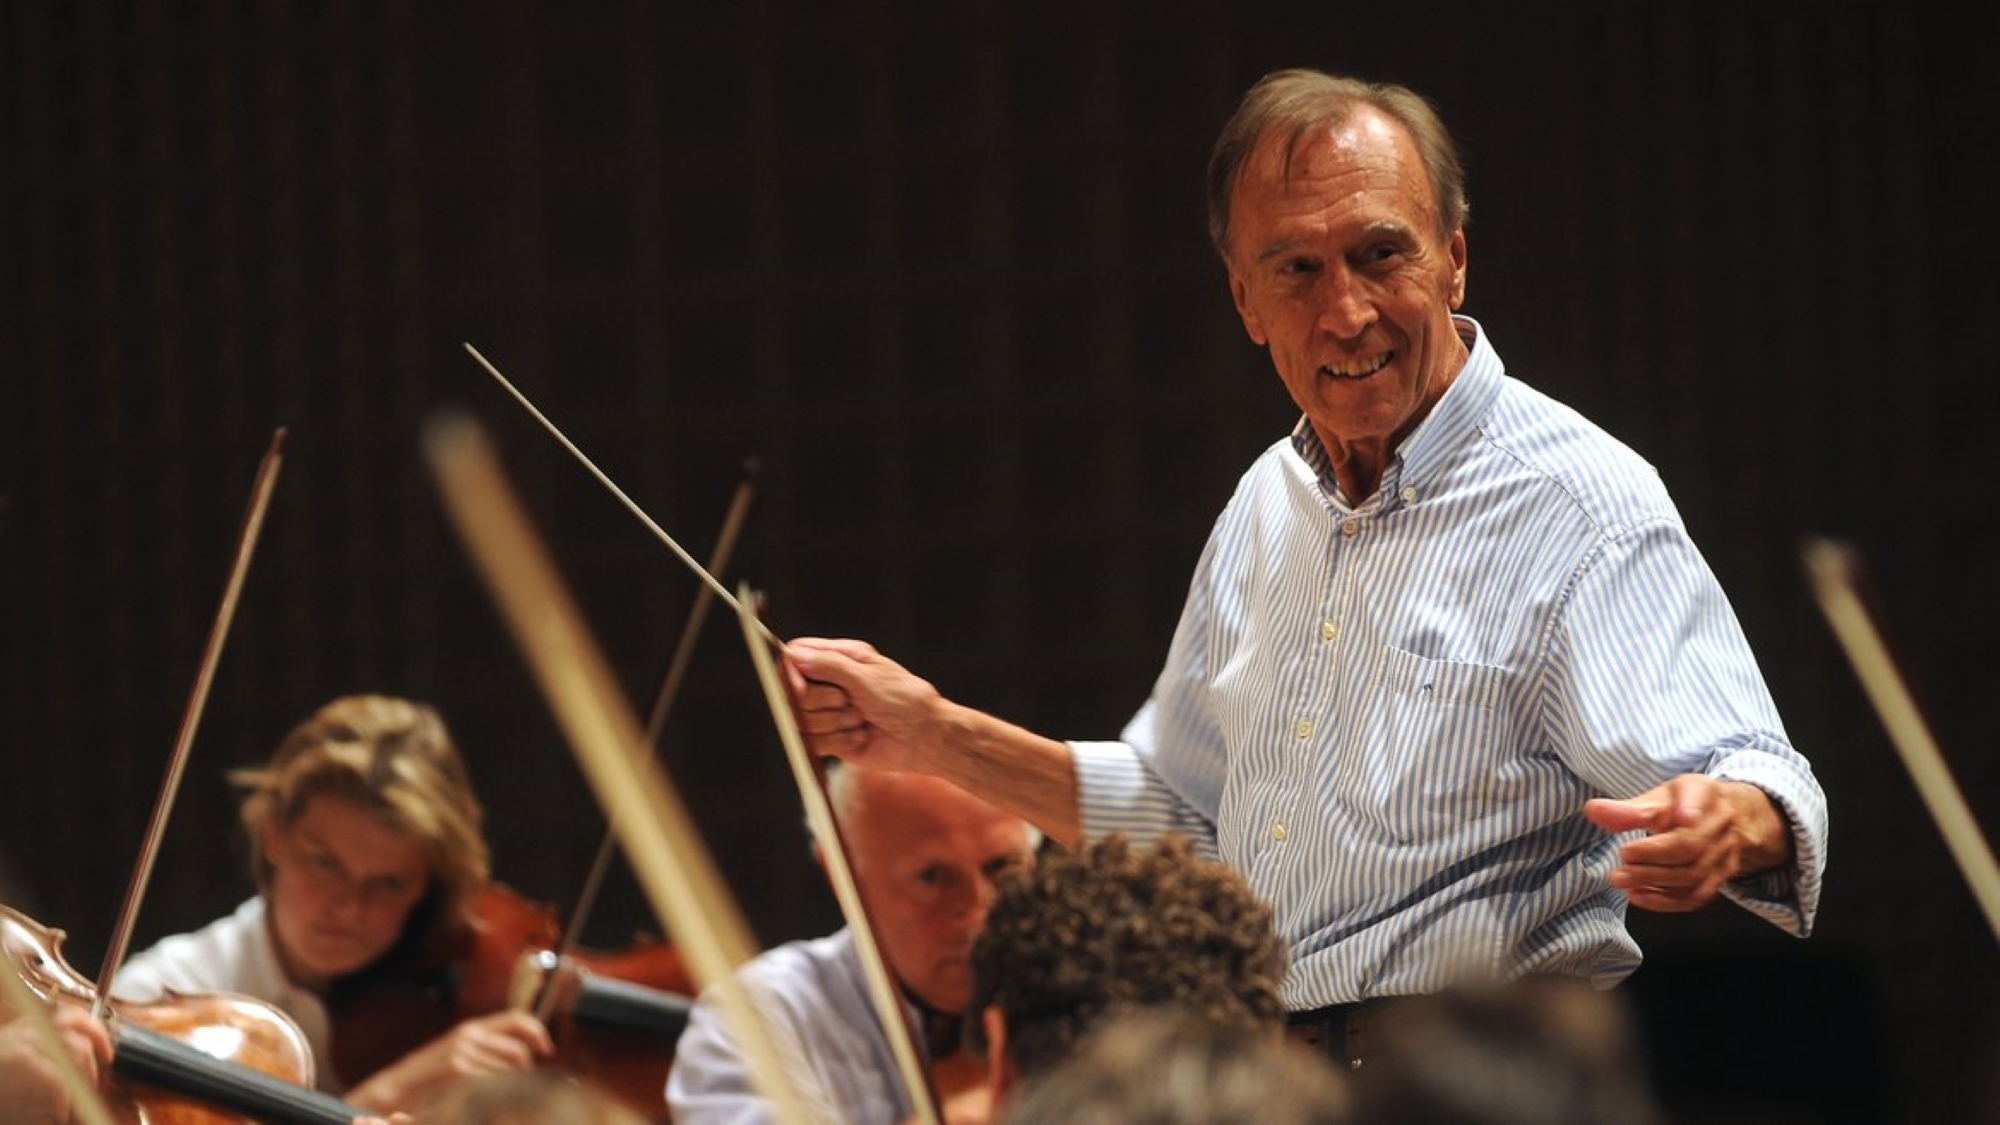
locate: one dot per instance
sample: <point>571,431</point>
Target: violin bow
<point>1831,568</point>
<point>810,773</point>
<point>659,532</point>
<point>140,1053</point>
<point>652,824</point>
<point>890,1010</point>
<point>656,722</point>
<point>683,651</point>
<point>135,892</point>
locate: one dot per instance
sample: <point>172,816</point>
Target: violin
<point>614,1016</point>
<point>203,1058</point>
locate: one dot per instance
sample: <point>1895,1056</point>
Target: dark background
<point>940,268</point>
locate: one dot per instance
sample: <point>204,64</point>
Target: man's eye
<point>1299,267</point>
<point>1004,864</point>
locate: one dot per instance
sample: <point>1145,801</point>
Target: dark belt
<point>1345,1033</point>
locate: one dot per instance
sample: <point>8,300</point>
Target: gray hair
<point>1296,101</point>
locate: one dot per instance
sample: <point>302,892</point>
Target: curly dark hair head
<point>1083,934</point>
<point>1535,1051</point>
<point>1161,1067</point>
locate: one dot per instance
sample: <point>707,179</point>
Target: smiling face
<point>1338,265</point>
<point>925,855</point>
<point>342,883</point>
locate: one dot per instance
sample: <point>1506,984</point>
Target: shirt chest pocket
<point>1431,738</point>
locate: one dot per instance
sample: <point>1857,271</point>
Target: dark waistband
<point>1332,1013</point>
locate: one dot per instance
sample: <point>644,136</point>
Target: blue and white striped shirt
<point>816,1007</point>
<point>1388,717</point>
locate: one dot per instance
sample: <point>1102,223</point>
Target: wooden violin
<point>205,1058</point>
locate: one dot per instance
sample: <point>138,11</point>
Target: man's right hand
<point>859,706</point>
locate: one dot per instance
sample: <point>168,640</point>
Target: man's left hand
<point>1701,832</point>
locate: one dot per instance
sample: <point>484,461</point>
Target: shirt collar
<point>1421,454</point>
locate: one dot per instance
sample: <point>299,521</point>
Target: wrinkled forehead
<point>1362,151</point>
<point>949,827</point>
<point>1360,135</point>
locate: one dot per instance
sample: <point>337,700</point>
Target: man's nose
<point>985,888</point>
<point>1347,307</point>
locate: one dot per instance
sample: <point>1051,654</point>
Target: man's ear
<point>999,1063</point>
<point>1458,268</point>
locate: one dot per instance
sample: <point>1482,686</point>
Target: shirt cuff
<point>1787,896</point>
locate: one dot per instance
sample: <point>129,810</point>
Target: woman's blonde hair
<point>394,758</point>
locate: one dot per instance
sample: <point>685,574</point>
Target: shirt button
<point>1278,831</point>
<point>1409,494</point>
<point>1328,630</point>
<point>1305,728</point>
<point>1350,527</point>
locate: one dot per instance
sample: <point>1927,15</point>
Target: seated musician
<point>1094,933</point>
<point>924,855</point>
<point>366,845</point>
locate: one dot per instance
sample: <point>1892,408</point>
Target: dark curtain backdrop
<point>940,269</point>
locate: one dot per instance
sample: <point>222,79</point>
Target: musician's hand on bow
<point>973,1106</point>
<point>31,1087</point>
<point>490,1044</point>
<point>855,704</point>
<point>1701,832</point>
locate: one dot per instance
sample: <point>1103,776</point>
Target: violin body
<point>394,1010</point>
<point>206,1058</point>
<point>614,1016</point>
<point>222,1025</point>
